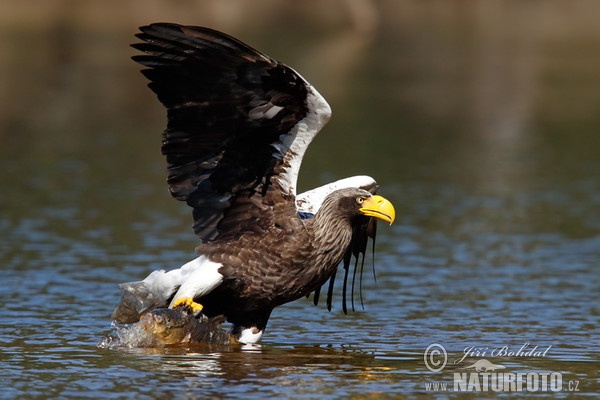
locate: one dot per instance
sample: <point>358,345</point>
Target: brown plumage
<point>238,125</point>
<point>289,260</point>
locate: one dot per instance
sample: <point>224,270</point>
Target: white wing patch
<point>292,145</point>
<point>311,200</point>
<point>266,111</point>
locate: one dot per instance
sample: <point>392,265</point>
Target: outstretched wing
<point>238,124</point>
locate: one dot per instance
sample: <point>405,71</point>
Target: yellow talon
<point>189,302</point>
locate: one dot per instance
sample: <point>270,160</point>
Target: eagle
<point>238,126</point>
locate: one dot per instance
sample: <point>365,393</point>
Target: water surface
<point>484,137</point>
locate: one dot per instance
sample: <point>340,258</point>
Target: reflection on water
<point>479,121</point>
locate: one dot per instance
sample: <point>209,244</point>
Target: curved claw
<point>188,302</point>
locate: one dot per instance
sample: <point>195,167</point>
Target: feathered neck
<point>332,232</point>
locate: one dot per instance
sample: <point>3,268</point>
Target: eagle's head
<point>351,203</point>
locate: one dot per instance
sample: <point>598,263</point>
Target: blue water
<point>456,287</point>
<point>484,138</point>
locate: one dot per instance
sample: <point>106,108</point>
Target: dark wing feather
<point>231,112</point>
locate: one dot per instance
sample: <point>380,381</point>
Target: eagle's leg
<point>248,335</point>
<point>188,302</point>
<point>249,327</point>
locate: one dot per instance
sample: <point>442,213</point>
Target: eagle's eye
<point>360,199</point>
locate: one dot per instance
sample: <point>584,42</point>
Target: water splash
<point>129,336</point>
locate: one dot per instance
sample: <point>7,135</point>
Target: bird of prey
<point>238,126</point>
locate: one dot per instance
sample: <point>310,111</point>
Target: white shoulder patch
<point>293,145</point>
<point>311,200</point>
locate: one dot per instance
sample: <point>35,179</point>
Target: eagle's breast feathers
<point>238,126</point>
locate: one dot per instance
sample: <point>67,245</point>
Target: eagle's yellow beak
<point>378,207</point>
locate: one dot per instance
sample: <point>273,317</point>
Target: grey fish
<point>179,326</point>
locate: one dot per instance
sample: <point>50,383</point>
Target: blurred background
<point>479,119</point>
<point>498,95</point>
